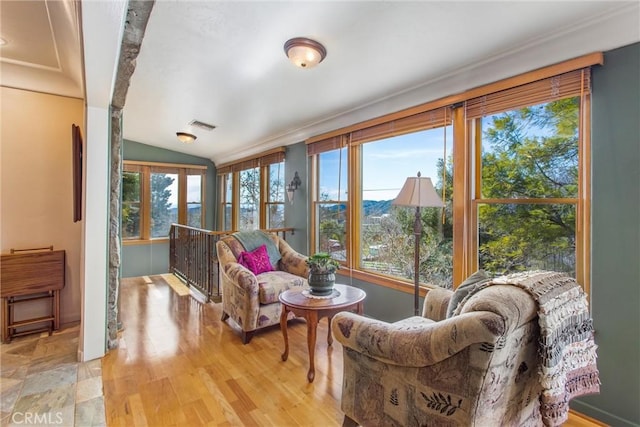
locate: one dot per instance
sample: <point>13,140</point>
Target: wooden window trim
<point>596,58</point>
<point>146,169</point>
<point>575,83</point>
<point>261,161</point>
<point>275,155</point>
<point>267,193</point>
<point>465,168</point>
<point>133,163</point>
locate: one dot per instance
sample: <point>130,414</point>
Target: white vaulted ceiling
<point>43,47</point>
<point>222,62</point>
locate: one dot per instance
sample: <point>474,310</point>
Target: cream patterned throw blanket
<point>566,347</point>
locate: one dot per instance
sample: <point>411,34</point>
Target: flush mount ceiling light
<point>304,53</point>
<point>185,137</point>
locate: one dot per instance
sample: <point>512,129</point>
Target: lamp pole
<point>417,233</point>
<point>418,192</point>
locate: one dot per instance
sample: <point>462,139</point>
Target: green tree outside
<point>162,214</point>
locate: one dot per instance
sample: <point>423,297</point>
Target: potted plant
<point>322,270</point>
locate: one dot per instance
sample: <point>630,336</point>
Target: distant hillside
<point>376,207</point>
<point>370,207</point>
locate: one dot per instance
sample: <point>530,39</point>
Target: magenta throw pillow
<point>257,261</point>
<point>245,259</point>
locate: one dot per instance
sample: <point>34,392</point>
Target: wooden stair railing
<point>193,259</point>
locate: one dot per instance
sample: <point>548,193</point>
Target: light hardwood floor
<point>178,364</point>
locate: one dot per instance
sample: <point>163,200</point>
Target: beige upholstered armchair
<point>478,367</point>
<point>251,300</point>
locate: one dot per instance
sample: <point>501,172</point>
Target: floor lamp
<point>418,192</point>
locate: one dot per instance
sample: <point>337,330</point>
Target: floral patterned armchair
<point>251,300</point>
<point>504,351</point>
<point>476,368</point>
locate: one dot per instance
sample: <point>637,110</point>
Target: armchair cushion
<point>465,288</point>
<point>272,283</point>
<point>257,261</point>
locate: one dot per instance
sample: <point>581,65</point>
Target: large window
<point>156,195</point>
<point>526,194</point>
<point>386,231</point>
<point>275,195</point>
<point>131,204</point>
<point>250,199</point>
<point>164,201</point>
<point>194,200</point>
<point>509,159</point>
<point>226,213</point>
<point>358,175</point>
<point>253,192</point>
<point>331,206</point>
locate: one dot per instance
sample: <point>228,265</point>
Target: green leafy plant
<point>322,262</point>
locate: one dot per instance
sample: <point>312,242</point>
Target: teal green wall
<point>382,303</point>
<point>296,214</point>
<point>615,237</point>
<point>144,260</point>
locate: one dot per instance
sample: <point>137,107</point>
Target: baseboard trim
<point>598,416</point>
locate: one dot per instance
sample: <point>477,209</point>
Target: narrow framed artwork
<point>76,138</point>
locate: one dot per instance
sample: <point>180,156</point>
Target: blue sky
<point>193,189</point>
<point>388,163</point>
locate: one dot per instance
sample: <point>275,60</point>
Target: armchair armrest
<point>420,342</point>
<point>293,262</point>
<point>241,277</point>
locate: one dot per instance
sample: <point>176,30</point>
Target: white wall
<point>95,239</point>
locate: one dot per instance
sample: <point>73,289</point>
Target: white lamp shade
<point>418,192</point>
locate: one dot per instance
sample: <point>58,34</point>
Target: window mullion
<point>235,204</point>
<point>461,190</point>
<point>313,204</point>
<point>583,214</point>
<point>264,189</point>
<point>354,225</point>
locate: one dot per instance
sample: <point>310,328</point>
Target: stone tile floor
<point>42,383</point>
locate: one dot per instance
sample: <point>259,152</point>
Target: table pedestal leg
<point>312,324</point>
<point>329,336</point>
<point>283,328</point>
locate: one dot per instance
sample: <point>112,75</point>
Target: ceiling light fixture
<point>304,53</point>
<point>185,137</point>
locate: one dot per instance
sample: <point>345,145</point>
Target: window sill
<point>386,281</point>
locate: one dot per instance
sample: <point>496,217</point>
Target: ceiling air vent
<point>202,125</point>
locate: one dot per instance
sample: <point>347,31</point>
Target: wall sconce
<point>293,186</point>
<point>304,53</point>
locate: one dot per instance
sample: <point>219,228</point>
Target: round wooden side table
<point>312,309</point>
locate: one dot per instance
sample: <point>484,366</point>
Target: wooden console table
<point>29,276</point>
